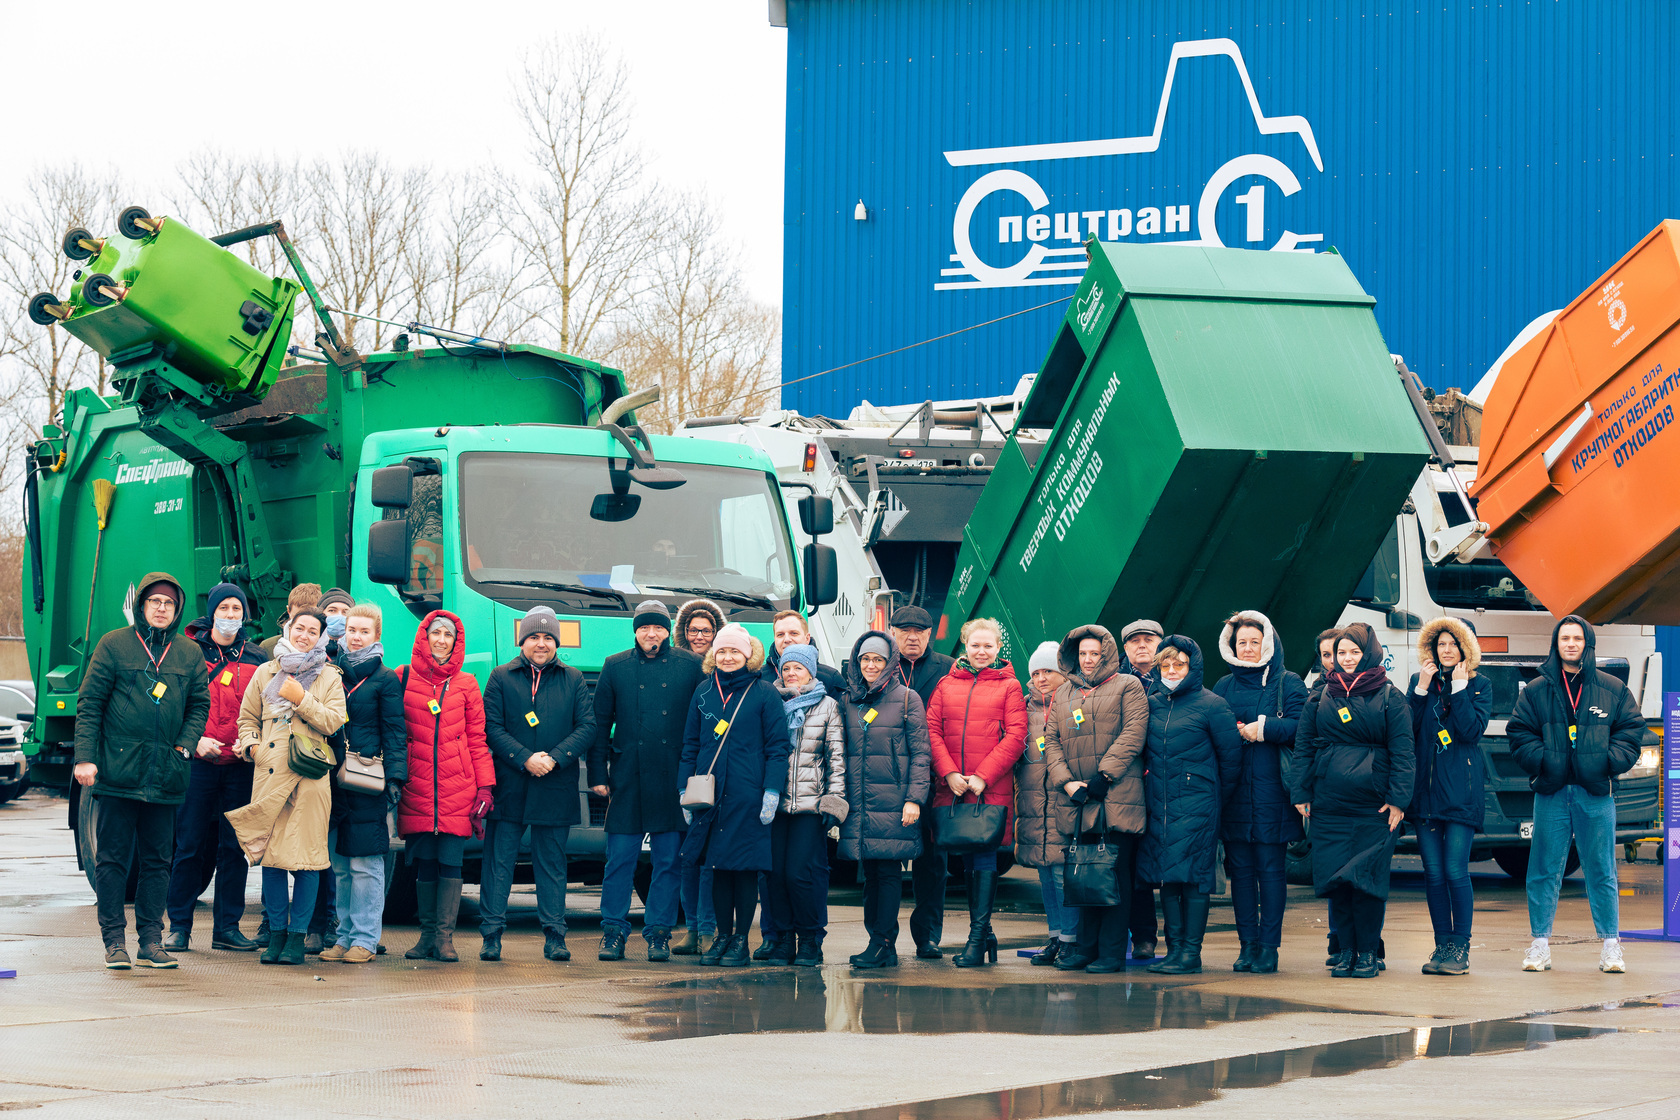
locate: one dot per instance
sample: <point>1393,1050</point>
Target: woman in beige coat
<point>284,828</point>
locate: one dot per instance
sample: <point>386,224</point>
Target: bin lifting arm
<point>1443,542</point>
<point>345,358</point>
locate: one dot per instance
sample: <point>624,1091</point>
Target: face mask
<point>228,627</point>
<point>1172,686</point>
<point>335,625</point>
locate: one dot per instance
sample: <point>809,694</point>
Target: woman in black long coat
<point>1352,775</point>
<point>737,731</point>
<point>1259,822</point>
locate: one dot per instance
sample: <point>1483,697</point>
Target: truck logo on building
<point>1089,309</point>
<point>1042,263</point>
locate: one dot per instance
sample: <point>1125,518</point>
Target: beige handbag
<point>701,791</point>
<point>362,775</point>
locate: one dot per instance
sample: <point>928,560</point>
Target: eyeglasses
<point>701,631</point>
<point>160,601</point>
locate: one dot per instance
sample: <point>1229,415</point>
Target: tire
<point>38,313</point>
<point>13,790</point>
<point>72,244</point>
<point>87,843</point>
<point>1514,862</point>
<point>400,902</point>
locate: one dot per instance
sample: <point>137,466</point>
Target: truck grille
<point>1517,805</point>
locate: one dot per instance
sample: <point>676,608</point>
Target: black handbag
<point>1089,878</point>
<point>965,827</point>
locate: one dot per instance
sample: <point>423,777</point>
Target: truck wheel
<point>400,903</point>
<point>87,818</point>
<point>14,790</point>
<point>1514,862</point>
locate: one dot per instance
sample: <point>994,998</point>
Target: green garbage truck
<point>475,475</point>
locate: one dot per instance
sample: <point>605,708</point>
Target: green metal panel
<point>1227,432</point>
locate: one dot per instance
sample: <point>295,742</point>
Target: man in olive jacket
<point>539,721</point>
<point>143,705</point>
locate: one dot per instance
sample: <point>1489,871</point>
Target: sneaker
<point>116,958</point>
<point>334,952</point>
<point>1610,960</point>
<point>153,956</point>
<point>1539,956</point>
<point>356,955</point>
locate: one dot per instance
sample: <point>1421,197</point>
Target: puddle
<point>1198,1082</point>
<point>799,1000</point>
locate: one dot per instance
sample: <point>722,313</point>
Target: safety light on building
<point>862,212</point>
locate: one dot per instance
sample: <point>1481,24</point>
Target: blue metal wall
<point>1477,164</point>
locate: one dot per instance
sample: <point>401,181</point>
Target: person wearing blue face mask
<point>335,604</point>
<point>219,781</point>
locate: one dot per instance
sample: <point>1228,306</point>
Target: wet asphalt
<point>223,1036</point>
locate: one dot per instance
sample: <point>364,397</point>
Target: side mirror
<point>615,507</point>
<point>392,488</point>
<point>816,516</point>
<point>822,573</point>
<point>387,549</point>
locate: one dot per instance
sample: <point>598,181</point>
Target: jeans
<point>548,867</point>
<point>927,879</point>
<point>202,836</point>
<point>1357,919</point>
<point>883,891</point>
<point>1062,920</point>
<point>1592,822</point>
<point>289,915</point>
<point>124,831</point>
<point>1445,848</point>
<point>624,850</point>
<point>697,898</point>
<point>1258,890</point>
<point>799,873</point>
<point>359,884</point>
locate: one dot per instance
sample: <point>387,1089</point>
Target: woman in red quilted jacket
<point>450,777</point>
<point>977,724</point>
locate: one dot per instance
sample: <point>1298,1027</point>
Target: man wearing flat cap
<point>923,669</point>
<point>641,708</point>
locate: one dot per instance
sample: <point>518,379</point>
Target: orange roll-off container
<point>1579,477</point>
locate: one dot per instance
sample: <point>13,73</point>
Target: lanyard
<point>536,682</point>
<point>355,686</point>
<point>157,662</point>
<point>1574,698</point>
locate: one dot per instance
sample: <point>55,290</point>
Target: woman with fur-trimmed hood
<point>1451,704</point>
<point>697,613</point>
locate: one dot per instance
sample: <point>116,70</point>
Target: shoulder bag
<point>309,757</point>
<point>701,791</point>
<point>969,827</point>
<point>360,774</point>
<point>1089,876</point>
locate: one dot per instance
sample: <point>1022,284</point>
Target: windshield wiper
<point>742,597</point>
<point>569,588</point>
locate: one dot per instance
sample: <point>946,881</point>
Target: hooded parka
<point>641,707</point>
<point>1353,755</point>
<point>888,761</point>
<point>1448,720</point>
<point>556,697</point>
<point>1191,764</point>
<point>1257,809</point>
<point>285,825</point>
<point>1607,723</point>
<point>374,725</point>
<point>1096,724</point>
<point>753,760</point>
<point>140,738</point>
<point>448,757</point>
<point>679,635</point>
<point>977,724</point>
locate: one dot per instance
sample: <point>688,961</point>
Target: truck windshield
<point>535,517</point>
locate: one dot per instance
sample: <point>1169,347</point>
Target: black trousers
<point>798,885</point>
<point>1357,918</point>
<point>927,879</point>
<point>883,891</point>
<point>735,897</point>
<point>1142,916</point>
<point>125,831</point>
<point>1102,929</point>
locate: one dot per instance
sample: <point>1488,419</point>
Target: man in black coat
<point>641,708</point>
<point>539,722</point>
<point>1574,729</point>
<point>922,670</point>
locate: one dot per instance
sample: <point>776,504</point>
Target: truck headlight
<point>1650,759</point>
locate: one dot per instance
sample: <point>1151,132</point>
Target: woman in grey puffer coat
<point>813,800</point>
<point>888,777</point>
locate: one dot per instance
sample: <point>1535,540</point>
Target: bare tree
<point>694,331</point>
<point>365,217</point>
<point>225,192</point>
<point>584,213</point>
<point>461,267</point>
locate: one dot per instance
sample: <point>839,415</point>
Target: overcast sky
<point>140,86</point>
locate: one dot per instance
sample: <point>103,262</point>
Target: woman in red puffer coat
<point>977,726</point>
<point>450,777</point>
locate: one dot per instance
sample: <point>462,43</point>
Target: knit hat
<point>876,645</point>
<point>804,655</point>
<point>1141,626</point>
<point>442,623</point>
<point>222,592</point>
<point>1044,657</point>
<point>651,612</point>
<point>539,620</point>
<point>735,636</point>
<point>334,595</point>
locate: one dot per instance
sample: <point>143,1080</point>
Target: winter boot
<point>491,950</point>
<point>554,946</point>
<point>262,933</point>
<point>1245,959</point>
<point>736,955</point>
<point>1172,922</point>
<point>448,906</point>
<point>809,953</point>
<point>767,948</point>
<point>1046,956</point>
<point>612,946</point>
<point>690,945</point>
<point>1432,966</point>
<point>1342,966</point>
<point>714,952</point>
<point>1364,966</point>
<point>783,950</point>
<point>1457,960</point>
<point>880,954</point>
<point>982,943</point>
<point>658,944</point>
<point>271,952</point>
<point>294,950</point>
<point>425,912</point>
<point>1265,959</point>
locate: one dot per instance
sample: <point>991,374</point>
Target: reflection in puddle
<point>1198,1082</point>
<point>799,1000</point>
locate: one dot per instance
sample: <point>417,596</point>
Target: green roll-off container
<point>1227,432</point>
<point>219,320</point>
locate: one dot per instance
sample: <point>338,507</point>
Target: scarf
<point>355,658</point>
<point>303,666</point>
<point>798,705</point>
<point>1362,683</point>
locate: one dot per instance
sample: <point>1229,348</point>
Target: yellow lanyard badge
<point>160,688</point>
<point>227,676</point>
<point>433,706</point>
<point>531,718</point>
<point>1078,716</point>
<point>1572,733</point>
<point>1347,716</point>
<point>1446,739</point>
<point>869,716</point>
<point>722,726</point>
<point>1041,744</point>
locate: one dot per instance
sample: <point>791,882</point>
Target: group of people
<point>1114,774</point>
